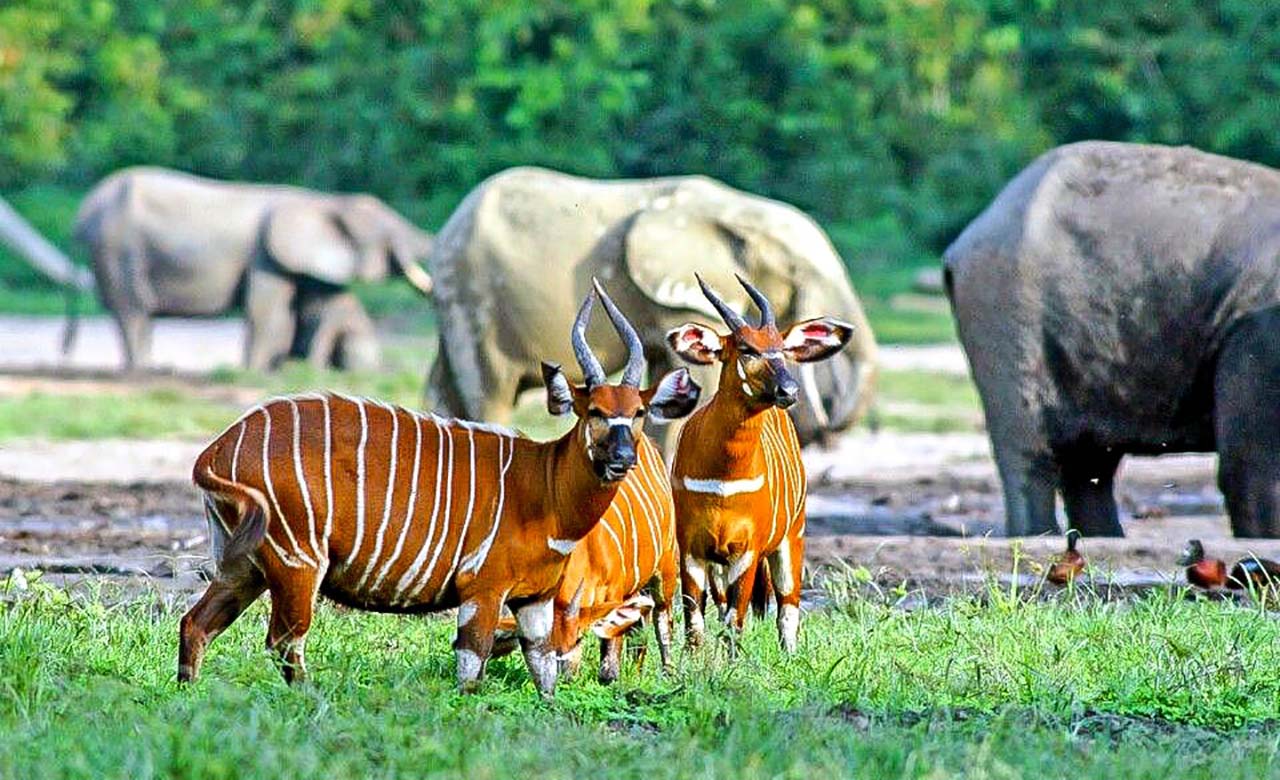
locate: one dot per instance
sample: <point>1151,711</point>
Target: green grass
<point>927,402</point>
<point>997,687</point>
<point>147,414</point>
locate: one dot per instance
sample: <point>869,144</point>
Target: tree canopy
<point>892,121</point>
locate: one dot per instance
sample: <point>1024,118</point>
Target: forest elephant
<point>524,245</point>
<point>1121,298</point>
<point>170,243</point>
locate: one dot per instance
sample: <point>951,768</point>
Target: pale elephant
<point>170,243</point>
<point>524,245</point>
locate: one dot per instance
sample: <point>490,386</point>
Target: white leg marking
<point>469,666</point>
<point>696,622</point>
<point>380,536</point>
<point>535,620</point>
<point>408,514</point>
<point>562,546</point>
<point>731,618</point>
<point>535,627</point>
<point>360,476</point>
<point>789,626</point>
<point>740,566</point>
<point>696,572</point>
<point>466,612</point>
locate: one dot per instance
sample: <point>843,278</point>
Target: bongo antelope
<point>738,481</point>
<point>626,567</point>
<point>381,508</point>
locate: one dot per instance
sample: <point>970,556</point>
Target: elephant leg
<point>333,329</point>
<point>1088,490</point>
<point>269,309</point>
<point>1030,498</point>
<point>1247,425</point>
<point>120,277</point>
<point>358,348</point>
<point>441,394</point>
<point>135,331</point>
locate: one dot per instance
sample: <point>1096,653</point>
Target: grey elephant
<point>1119,298</point>
<point>170,243</point>
<point>26,242</point>
<point>524,245</point>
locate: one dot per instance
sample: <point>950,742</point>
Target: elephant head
<point>793,264</point>
<point>341,239</point>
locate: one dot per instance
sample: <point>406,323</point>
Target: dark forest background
<point>891,121</point>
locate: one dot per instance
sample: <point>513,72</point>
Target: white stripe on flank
<point>271,494</point>
<point>630,531</point>
<point>235,455</point>
<point>776,475</point>
<point>447,521</point>
<point>616,541</point>
<point>466,522</point>
<point>653,495</point>
<point>410,574</point>
<point>723,487</point>
<point>328,476</point>
<point>364,439</point>
<point>477,559</point>
<point>408,514</point>
<point>302,478</point>
<point>386,501</point>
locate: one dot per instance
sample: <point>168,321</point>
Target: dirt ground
<point>893,511</point>
<point>930,535</point>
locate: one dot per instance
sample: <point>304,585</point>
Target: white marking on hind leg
<point>788,626</point>
<point>696,572</point>
<point>740,566</point>
<point>535,627</point>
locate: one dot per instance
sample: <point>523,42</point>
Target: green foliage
<point>990,687</point>
<point>893,121</point>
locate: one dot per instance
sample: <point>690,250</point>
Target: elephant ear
<point>308,239</point>
<point>663,249</point>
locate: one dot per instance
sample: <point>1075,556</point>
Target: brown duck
<point>1069,565</point>
<point>1207,573</point>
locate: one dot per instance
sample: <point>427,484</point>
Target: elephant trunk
<point>22,238</point>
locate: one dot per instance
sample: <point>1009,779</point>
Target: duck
<point>1202,572</point>
<point>1254,573</point>
<point>1069,565</point>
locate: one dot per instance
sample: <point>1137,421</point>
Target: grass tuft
<point>984,686</point>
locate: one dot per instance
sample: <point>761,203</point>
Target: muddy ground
<point>890,510</point>
<point>930,535</point>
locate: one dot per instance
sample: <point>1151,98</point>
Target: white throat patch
<point>723,487</point>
